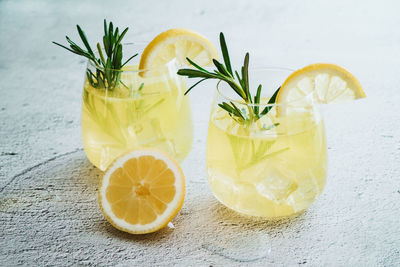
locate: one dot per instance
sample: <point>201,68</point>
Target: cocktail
<point>128,104</point>
<point>270,165</point>
<point>266,148</point>
<point>146,109</point>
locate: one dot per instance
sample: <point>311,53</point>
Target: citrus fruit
<point>177,44</point>
<point>142,191</point>
<point>329,83</point>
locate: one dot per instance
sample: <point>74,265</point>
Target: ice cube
<point>223,186</point>
<point>265,126</point>
<point>305,194</point>
<point>222,120</point>
<point>276,184</point>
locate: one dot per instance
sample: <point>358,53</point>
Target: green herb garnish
<point>239,83</point>
<point>108,69</point>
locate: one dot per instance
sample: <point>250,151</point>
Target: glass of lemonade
<point>273,166</point>
<point>146,109</point>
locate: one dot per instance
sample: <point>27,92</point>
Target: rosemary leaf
<point>238,110</point>
<point>257,100</point>
<point>101,54</point>
<point>115,37</point>
<point>270,101</point>
<point>121,36</point>
<point>225,53</point>
<point>245,77</point>
<point>196,73</point>
<point>195,65</point>
<point>73,51</point>
<point>239,83</point>
<point>84,40</point>
<point>129,59</point>
<point>221,68</point>
<point>191,87</point>
<point>231,110</point>
<point>109,75</point>
<point>239,79</point>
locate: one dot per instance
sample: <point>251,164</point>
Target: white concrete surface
<point>48,208</point>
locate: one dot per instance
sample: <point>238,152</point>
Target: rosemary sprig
<point>238,82</point>
<point>107,74</point>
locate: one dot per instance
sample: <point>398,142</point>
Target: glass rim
<point>268,68</point>
<point>140,43</point>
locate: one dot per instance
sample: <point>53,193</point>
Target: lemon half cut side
<point>142,191</point>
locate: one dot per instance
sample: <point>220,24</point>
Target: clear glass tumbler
<point>270,166</point>
<point>145,108</point>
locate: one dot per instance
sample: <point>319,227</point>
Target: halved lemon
<point>179,44</point>
<point>331,84</point>
<point>142,191</point>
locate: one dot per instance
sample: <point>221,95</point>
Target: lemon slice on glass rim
<point>177,44</point>
<point>320,83</point>
<point>142,191</point>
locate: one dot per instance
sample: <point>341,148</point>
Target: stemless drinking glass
<point>270,166</point>
<point>145,109</point>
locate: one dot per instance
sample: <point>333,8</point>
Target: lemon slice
<point>142,191</point>
<point>177,44</point>
<point>331,84</point>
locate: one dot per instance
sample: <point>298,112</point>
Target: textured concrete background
<point>48,208</point>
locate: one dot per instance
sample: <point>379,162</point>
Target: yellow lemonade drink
<point>273,167</point>
<point>266,148</point>
<point>147,109</point>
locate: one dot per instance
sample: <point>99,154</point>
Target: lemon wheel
<point>142,191</point>
<point>177,44</point>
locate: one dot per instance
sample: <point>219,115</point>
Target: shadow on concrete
<point>214,211</point>
<point>105,228</point>
<point>237,237</point>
